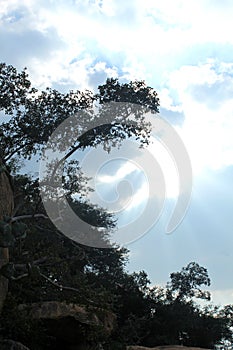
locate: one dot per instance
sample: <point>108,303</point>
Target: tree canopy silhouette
<point>47,268</point>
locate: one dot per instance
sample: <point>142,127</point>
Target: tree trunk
<point>6,208</point>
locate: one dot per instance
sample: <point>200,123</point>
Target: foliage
<point>46,266</point>
<point>35,115</point>
<point>186,283</point>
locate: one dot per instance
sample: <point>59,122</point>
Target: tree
<point>31,117</point>
<point>186,283</point>
<point>176,318</point>
<point>34,115</point>
<point>45,265</point>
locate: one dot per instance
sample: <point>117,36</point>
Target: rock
<point>54,310</point>
<point>73,326</point>
<point>165,347</point>
<point>6,208</point>
<point>137,347</point>
<point>11,345</point>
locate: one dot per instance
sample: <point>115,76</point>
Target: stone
<point>55,310</point>
<point>12,345</point>
<point>6,208</point>
<point>72,324</point>
<point>165,347</point>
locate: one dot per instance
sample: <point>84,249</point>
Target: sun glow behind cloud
<point>130,200</point>
<point>127,185</point>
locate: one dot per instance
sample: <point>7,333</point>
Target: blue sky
<point>183,49</point>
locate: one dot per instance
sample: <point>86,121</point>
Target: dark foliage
<point>46,266</point>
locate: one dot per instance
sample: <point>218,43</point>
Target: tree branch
<point>74,149</point>
<point>9,156</point>
<point>19,277</point>
<point>57,284</point>
<point>29,216</point>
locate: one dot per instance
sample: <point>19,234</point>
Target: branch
<point>64,287</point>
<point>19,277</point>
<point>9,156</point>
<point>47,279</point>
<point>57,284</point>
<point>74,149</point>
<point>22,217</point>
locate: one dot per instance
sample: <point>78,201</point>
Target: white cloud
<point>72,44</point>
<point>222,296</point>
<point>150,36</point>
<point>208,124</point>
<point>167,100</point>
<point>126,169</point>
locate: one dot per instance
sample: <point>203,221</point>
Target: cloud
<point>120,185</point>
<point>204,92</point>
<point>222,296</point>
<point>99,73</point>
<point>144,40</point>
<point>21,47</point>
<point>78,44</point>
<point>126,168</point>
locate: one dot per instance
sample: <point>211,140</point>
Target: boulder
<point>73,326</point>
<point>165,347</point>
<point>11,345</point>
<point>54,310</point>
<point>6,208</point>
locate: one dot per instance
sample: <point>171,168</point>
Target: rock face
<point>6,208</point>
<point>54,310</point>
<point>137,347</point>
<point>71,324</point>
<point>11,345</point>
<point>165,347</point>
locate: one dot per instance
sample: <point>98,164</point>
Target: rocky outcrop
<point>54,310</point>
<point>11,345</point>
<point>73,326</point>
<point>137,347</point>
<point>165,347</point>
<point>6,208</point>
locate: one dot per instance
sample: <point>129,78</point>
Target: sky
<point>184,50</point>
